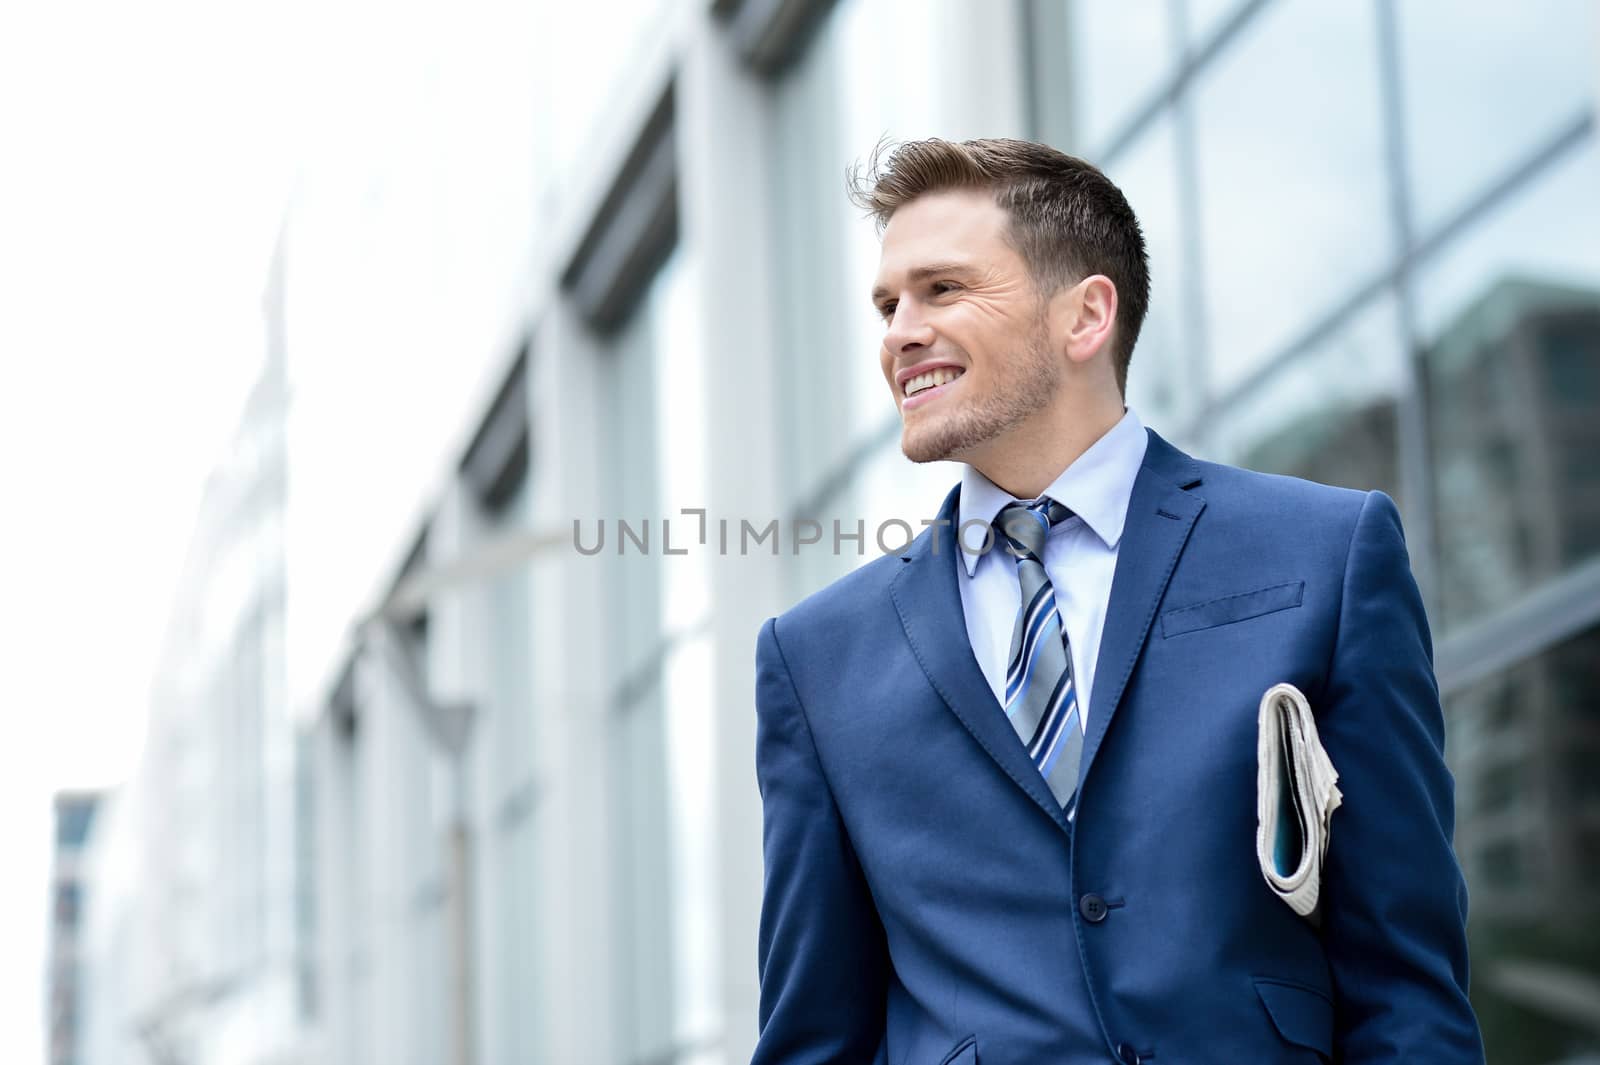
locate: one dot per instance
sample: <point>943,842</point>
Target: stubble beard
<point>1021,389</point>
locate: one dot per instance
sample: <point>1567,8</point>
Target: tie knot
<point>1026,524</point>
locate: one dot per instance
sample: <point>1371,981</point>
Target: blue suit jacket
<point>926,902</point>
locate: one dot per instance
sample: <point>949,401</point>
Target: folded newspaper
<point>1296,795</point>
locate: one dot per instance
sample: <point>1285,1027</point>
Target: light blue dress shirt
<point>1080,555</point>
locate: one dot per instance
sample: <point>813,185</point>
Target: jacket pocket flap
<point>965,1053</point>
<point>1231,608</point>
<point>1302,1015</point>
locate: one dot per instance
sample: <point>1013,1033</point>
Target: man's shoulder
<point>1273,516</point>
<point>1254,494</point>
<point>1251,495</point>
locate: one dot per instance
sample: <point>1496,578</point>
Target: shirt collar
<point>1096,487</point>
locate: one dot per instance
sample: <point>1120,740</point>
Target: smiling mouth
<point>932,379</point>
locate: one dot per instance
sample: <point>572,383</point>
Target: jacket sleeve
<point>1394,926</point>
<point>823,961</point>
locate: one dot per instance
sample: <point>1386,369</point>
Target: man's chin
<point>933,443</point>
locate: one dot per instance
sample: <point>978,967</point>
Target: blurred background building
<point>195,947</point>
<point>74,814</point>
<point>426,784</point>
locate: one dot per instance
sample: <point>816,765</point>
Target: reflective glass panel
<point>1525,750</point>
<point>1120,54</point>
<point>687,683</point>
<point>1206,17</point>
<point>1510,317</point>
<point>656,437</point>
<point>680,450</point>
<point>1485,85</point>
<point>1329,416</point>
<point>849,90</point>
<point>630,440</point>
<point>506,738</point>
<point>643,887</point>
<point>1163,380</point>
<point>1294,208</point>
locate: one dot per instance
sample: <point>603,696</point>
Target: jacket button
<point>1093,908</point>
<point>1127,1055</point>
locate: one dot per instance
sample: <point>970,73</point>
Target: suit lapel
<point>1161,514</point>
<point>928,601</point>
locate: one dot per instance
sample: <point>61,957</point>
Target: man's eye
<point>941,287</point>
<point>886,311</point>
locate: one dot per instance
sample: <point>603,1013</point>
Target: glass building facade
<point>196,944</point>
<point>1374,233</point>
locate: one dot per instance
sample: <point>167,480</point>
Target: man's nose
<point>909,329</point>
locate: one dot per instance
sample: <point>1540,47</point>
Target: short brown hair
<point>1068,220</point>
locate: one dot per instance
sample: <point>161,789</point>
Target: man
<point>1010,795</point>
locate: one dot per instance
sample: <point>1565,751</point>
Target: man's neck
<point>1030,457</point>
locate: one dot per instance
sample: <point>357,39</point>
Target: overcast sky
<point>148,163</point>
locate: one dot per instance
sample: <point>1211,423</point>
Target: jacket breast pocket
<point>1231,608</point>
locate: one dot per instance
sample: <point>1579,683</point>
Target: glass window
<point>584,77</point>
<point>643,888</point>
<point>68,903</point>
<point>1164,383</point>
<point>1120,55</point>
<point>1294,208</point>
<point>1485,85</point>
<point>508,602</point>
<point>630,442</point>
<point>687,683</point>
<point>681,449</point>
<point>684,698</point>
<point>656,452</point>
<point>663,861</point>
<point>1331,414</point>
<point>1510,317</point>
<point>73,818</point>
<point>849,91</point>
<point>822,321</point>
<point>512,940</point>
<point>1206,17</point>
<point>657,457</point>
<point>1527,842</point>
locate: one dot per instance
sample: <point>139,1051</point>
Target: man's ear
<point>1084,316</point>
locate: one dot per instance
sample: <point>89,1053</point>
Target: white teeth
<point>931,379</point>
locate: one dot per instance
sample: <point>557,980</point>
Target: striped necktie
<point>1040,699</point>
